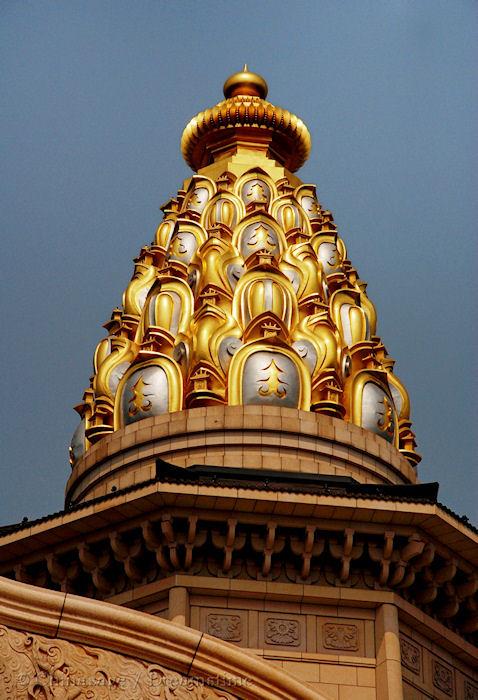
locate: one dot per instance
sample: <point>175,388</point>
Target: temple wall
<point>430,671</point>
<point>331,648</point>
<point>344,651</point>
<point>222,647</point>
<point>55,645</point>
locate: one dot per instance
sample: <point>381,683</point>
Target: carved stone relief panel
<point>256,190</point>
<point>339,636</point>
<point>270,378</point>
<point>377,413</point>
<point>343,635</point>
<point>471,691</point>
<point>310,206</point>
<point>183,246</point>
<point>329,257</point>
<point>227,624</point>
<point>32,666</point>
<point>410,655</point>
<point>258,236</point>
<point>282,631</point>
<point>198,199</point>
<point>442,678</point>
<point>145,393</point>
<point>227,627</point>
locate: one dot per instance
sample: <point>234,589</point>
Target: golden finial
<point>260,122</point>
<point>246,83</point>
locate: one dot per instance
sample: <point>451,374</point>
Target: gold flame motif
<point>256,192</point>
<point>385,421</point>
<point>261,236</point>
<point>139,401</point>
<point>272,385</point>
<point>178,246</point>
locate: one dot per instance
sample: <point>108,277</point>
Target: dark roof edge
<point>326,485</point>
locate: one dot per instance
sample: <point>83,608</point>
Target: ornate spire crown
<point>245,119</point>
<point>246,295</point>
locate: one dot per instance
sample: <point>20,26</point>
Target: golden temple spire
<point>246,295</point>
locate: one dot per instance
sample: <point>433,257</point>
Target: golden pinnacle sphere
<point>245,83</point>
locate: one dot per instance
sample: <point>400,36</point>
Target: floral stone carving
<point>227,627</point>
<point>411,657</point>
<point>33,667</point>
<point>336,636</point>
<point>282,631</point>
<point>442,678</point>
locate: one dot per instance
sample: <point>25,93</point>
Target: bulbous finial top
<point>246,83</point>
<point>245,117</point>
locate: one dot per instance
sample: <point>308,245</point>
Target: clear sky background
<point>94,99</point>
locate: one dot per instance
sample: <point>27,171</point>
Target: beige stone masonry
<point>179,605</point>
<point>261,437</point>
<point>91,623</point>
<point>389,672</point>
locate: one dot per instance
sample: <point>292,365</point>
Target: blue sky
<point>95,97</point>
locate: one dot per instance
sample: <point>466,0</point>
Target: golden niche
<point>263,374</point>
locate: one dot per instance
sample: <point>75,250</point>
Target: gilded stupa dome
<point>246,294</point>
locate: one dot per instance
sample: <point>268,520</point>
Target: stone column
<point>389,670</point>
<point>179,605</point>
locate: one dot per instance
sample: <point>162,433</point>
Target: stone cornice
<point>112,546</point>
<point>94,516</point>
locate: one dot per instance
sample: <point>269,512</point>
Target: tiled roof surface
<point>261,479</point>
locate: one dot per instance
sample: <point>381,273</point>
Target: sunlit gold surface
<point>247,264</point>
<point>244,120</point>
<point>245,83</point>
